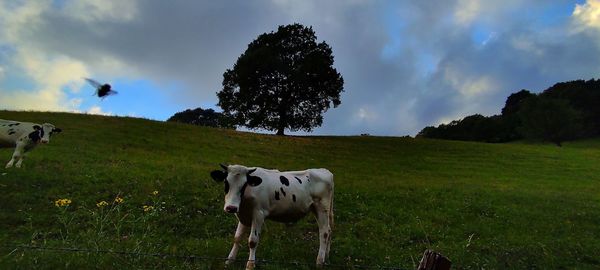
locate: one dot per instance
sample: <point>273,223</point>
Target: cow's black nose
<point>231,209</point>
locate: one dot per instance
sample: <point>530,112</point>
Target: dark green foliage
<point>514,101</point>
<point>583,96</point>
<point>576,115</point>
<point>471,128</point>
<point>200,117</point>
<point>284,80</point>
<point>549,119</point>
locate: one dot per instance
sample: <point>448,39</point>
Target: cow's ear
<point>56,130</point>
<point>253,180</point>
<point>218,176</point>
<point>35,136</point>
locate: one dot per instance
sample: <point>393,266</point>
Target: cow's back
<point>11,131</point>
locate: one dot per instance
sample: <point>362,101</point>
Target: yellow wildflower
<point>62,202</point>
<point>102,204</point>
<point>155,192</point>
<point>119,199</point>
<point>148,208</point>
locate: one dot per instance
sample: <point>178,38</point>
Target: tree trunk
<point>282,123</point>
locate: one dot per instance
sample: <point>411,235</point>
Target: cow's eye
<point>226,187</point>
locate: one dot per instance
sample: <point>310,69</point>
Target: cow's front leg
<point>10,163</point>
<point>236,243</point>
<point>17,156</point>
<point>257,222</point>
<point>21,158</point>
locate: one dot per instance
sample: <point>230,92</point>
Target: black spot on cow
<point>255,233</point>
<point>11,132</point>
<point>226,187</point>
<point>284,180</point>
<point>277,195</point>
<point>282,191</point>
<point>299,181</point>
<point>308,178</point>
<point>294,197</point>
<point>253,180</point>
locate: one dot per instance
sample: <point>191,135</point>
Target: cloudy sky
<point>406,64</point>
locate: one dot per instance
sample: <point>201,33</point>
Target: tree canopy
<point>549,119</point>
<point>202,117</point>
<point>284,80</point>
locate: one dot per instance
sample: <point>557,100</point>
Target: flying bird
<point>102,90</point>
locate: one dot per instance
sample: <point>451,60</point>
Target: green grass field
<point>492,206</point>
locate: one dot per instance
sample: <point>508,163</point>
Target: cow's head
<point>42,133</point>
<point>236,178</point>
<point>46,131</point>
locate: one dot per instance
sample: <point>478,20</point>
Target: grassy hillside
<point>491,206</point>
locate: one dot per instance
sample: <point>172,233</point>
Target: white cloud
<point>365,114</point>
<point>587,16</point>
<point>527,45</point>
<point>16,21</point>
<point>91,11</point>
<point>468,87</point>
<point>49,75</point>
<point>98,110</point>
<point>467,11</point>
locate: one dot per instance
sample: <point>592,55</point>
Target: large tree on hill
<point>284,80</point>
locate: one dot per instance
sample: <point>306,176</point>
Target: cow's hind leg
<point>321,210</point>
<point>330,216</point>
<point>236,243</point>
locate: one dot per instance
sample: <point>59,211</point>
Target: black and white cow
<point>24,137</point>
<point>256,194</point>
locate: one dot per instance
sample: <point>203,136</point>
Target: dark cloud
<point>406,64</point>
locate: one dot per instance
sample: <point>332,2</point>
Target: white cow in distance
<point>23,136</point>
<point>256,194</point>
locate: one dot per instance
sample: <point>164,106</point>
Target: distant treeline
<point>565,111</point>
